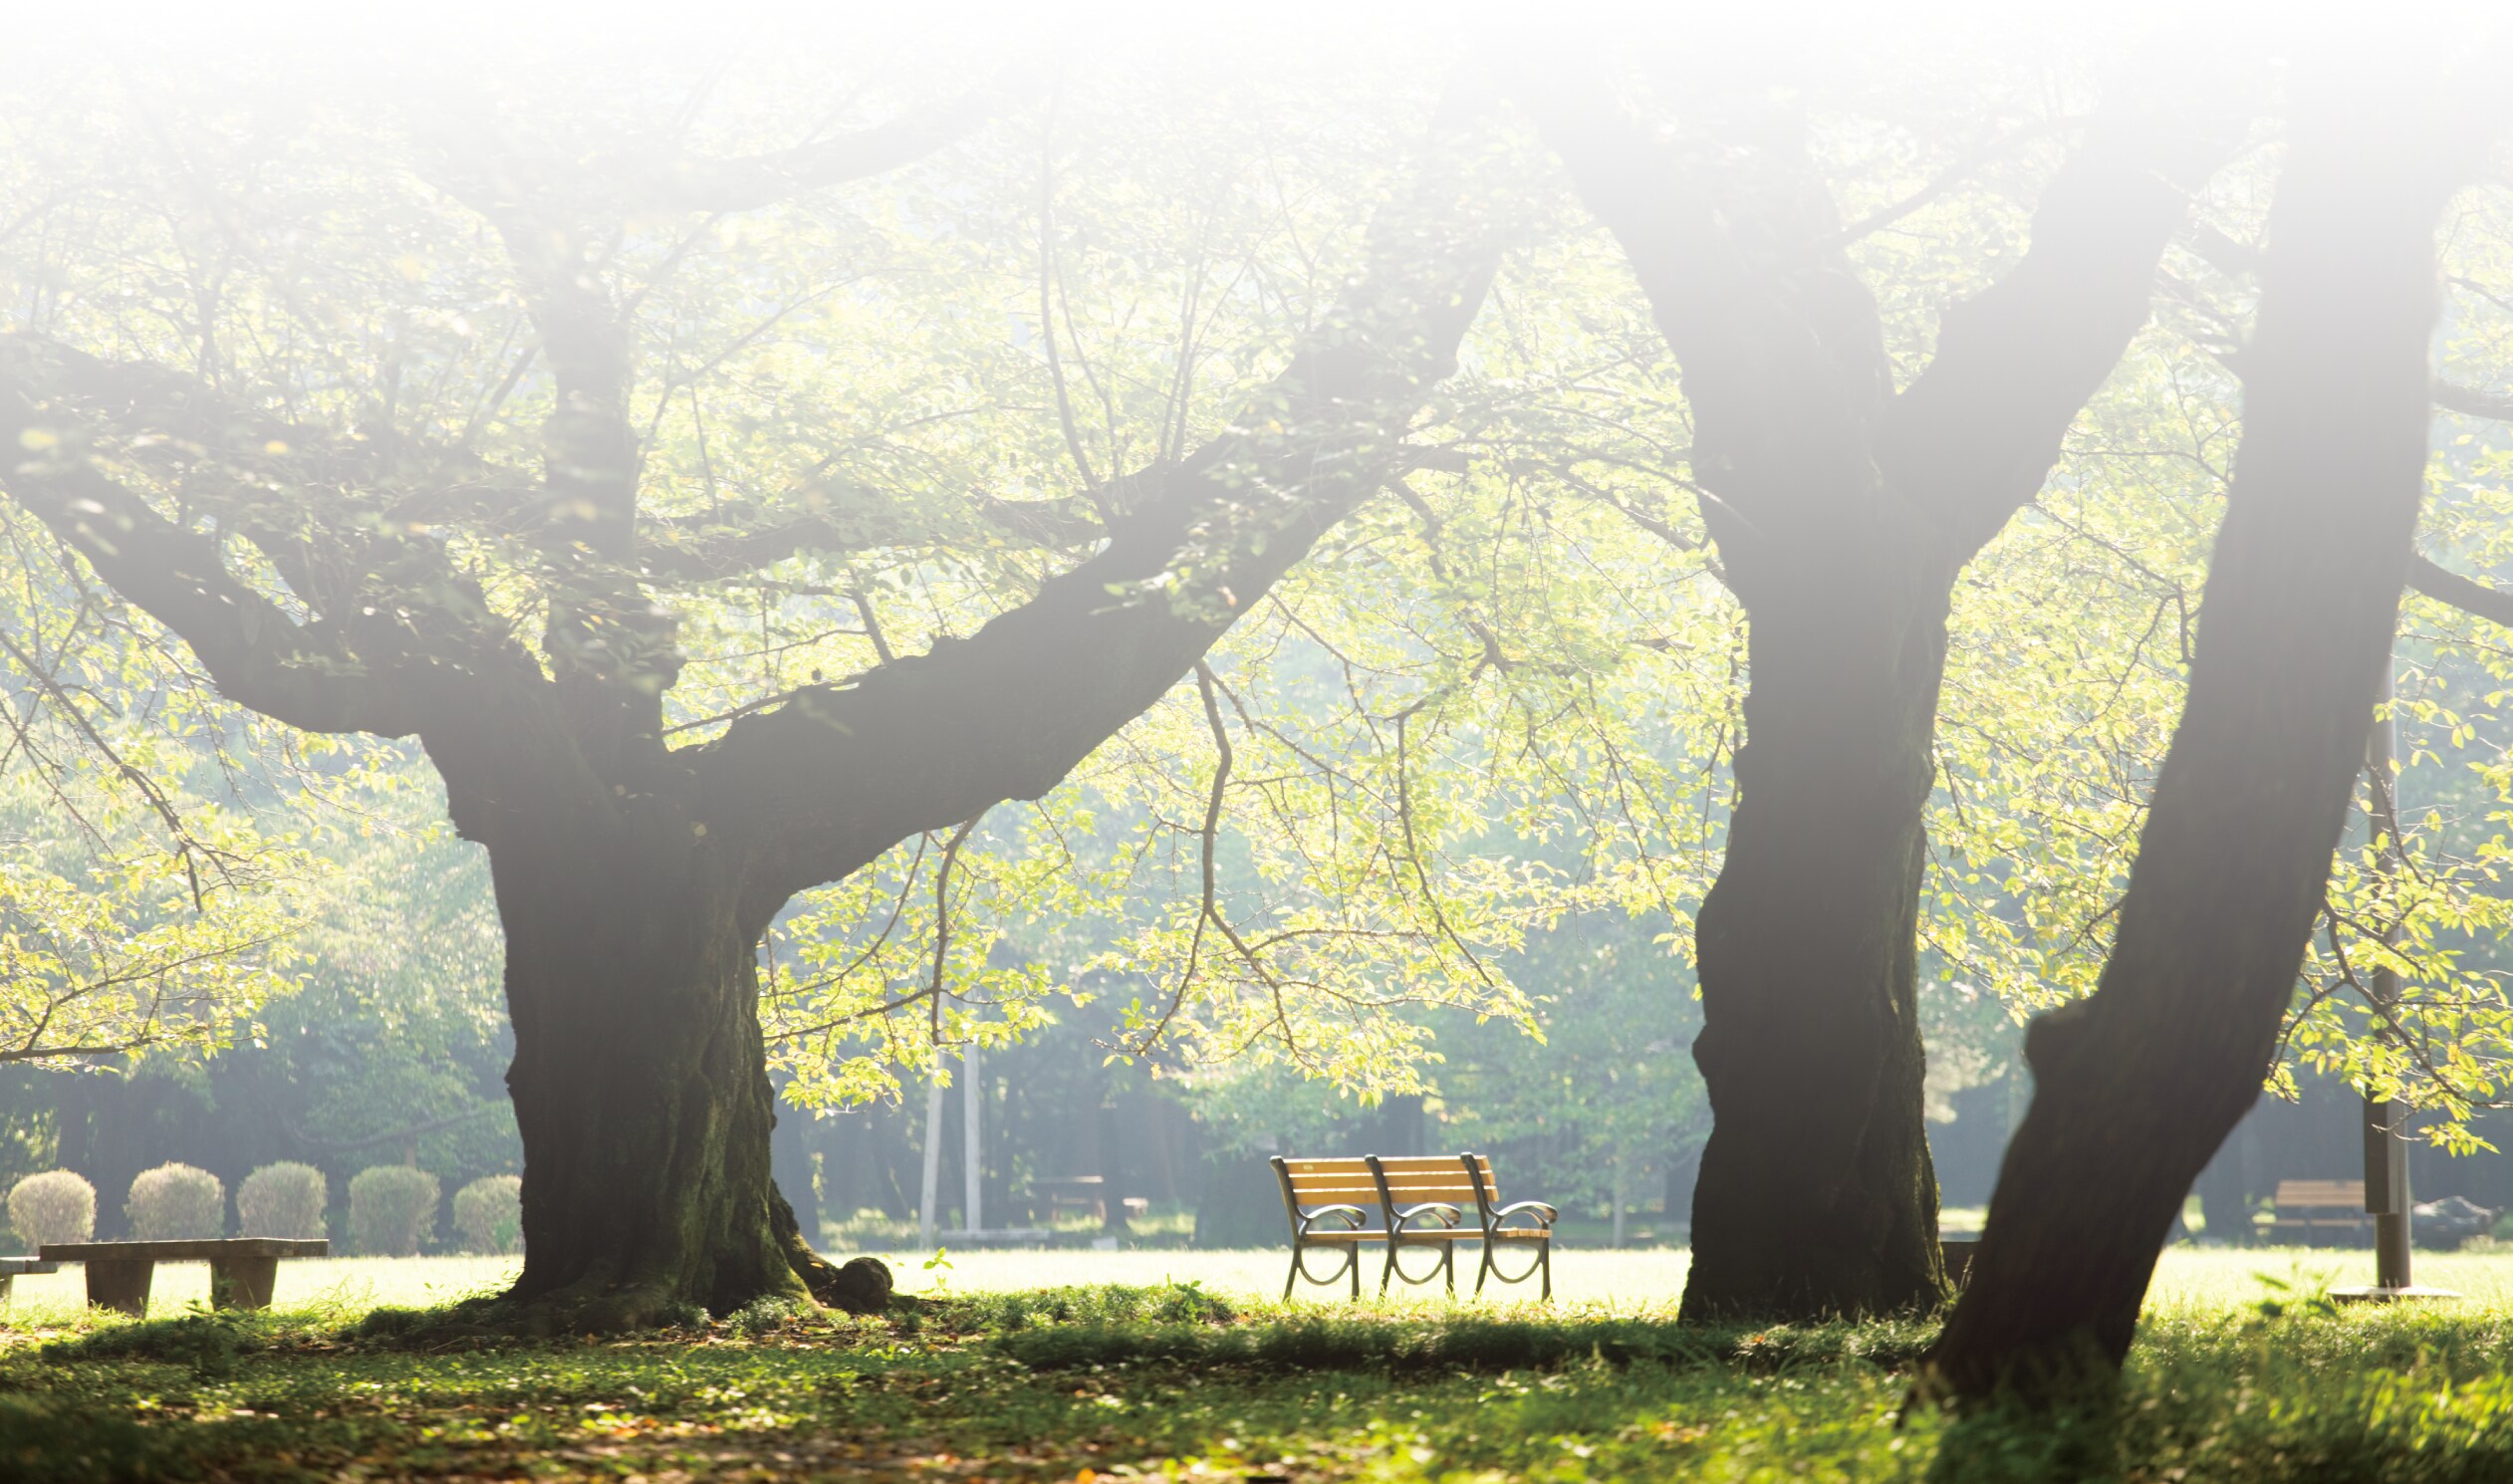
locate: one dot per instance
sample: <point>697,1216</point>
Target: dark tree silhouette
<point>2137,1085</point>
<point>1844,512</point>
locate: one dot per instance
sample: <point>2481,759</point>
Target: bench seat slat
<point>1379,1234</point>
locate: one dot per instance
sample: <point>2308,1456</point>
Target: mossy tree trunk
<point>638,1078</point>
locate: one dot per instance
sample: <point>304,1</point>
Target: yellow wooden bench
<point>1421,1202</point>
<point>2307,1207</point>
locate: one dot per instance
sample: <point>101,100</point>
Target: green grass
<point>1189,1369</point>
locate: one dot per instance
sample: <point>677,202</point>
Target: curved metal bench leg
<point>1445,1269</point>
<point>1541,1268</point>
<point>1352,1264</point>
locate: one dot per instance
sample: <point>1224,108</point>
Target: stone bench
<point>11,1267</point>
<point>241,1269</point>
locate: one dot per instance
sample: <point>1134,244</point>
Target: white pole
<point>934,1154</point>
<point>972,1164</point>
<point>1619,1195</point>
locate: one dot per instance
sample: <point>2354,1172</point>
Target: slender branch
<point>185,845</point>
<point>2451,588</point>
<point>1208,910</point>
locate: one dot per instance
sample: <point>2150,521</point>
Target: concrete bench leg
<point>242,1282</point>
<point>8,1283</point>
<point>120,1284</point>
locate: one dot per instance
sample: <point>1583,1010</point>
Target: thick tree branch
<point>1974,436</point>
<point>399,644</point>
<point>251,469</point>
<point>2471,402</point>
<point>306,675</point>
<point>752,181</point>
<point>739,540</point>
<point>2473,597</point>
<point>1782,355</point>
<point>837,775</point>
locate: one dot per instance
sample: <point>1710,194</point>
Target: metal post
<point>934,1154</point>
<point>973,1164</point>
<point>2386,1156</point>
<point>1619,1195</point>
<point>2386,1197</point>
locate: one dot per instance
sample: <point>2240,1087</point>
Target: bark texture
<point>1844,512</point>
<point>2136,1086</point>
<point>638,1079</point>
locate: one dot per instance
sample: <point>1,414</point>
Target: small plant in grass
<point>54,1207</point>
<point>489,1212</point>
<point>282,1200</point>
<point>174,1202</point>
<point>391,1210</point>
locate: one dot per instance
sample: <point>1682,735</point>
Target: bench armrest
<point>1355,1218</point>
<point>1545,1215</point>
<point>1448,1215</point>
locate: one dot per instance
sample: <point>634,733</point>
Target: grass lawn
<point>1183,1365</point>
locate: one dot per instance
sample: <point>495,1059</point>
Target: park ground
<point>1100,1367</point>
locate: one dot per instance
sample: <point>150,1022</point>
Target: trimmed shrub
<point>54,1207</point>
<point>391,1210</point>
<point>282,1200</point>
<point>176,1201</point>
<point>489,1212</point>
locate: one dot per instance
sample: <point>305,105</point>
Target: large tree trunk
<point>638,1081</point>
<point>1842,512</point>
<point>1816,1194</point>
<point>2136,1086</point>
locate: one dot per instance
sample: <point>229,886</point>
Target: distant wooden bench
<point>241,1269</point>
<point>2307,1207</point>
<point>11,1267</point>
<point>1420,1203</point>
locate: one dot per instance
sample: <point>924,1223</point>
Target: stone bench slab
<point>242,1270</point>
<point>11,1267</point>
<point>190,1251</point>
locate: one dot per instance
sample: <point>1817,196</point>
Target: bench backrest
<point>1461,1181</point>
<point>2320,1195</point>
